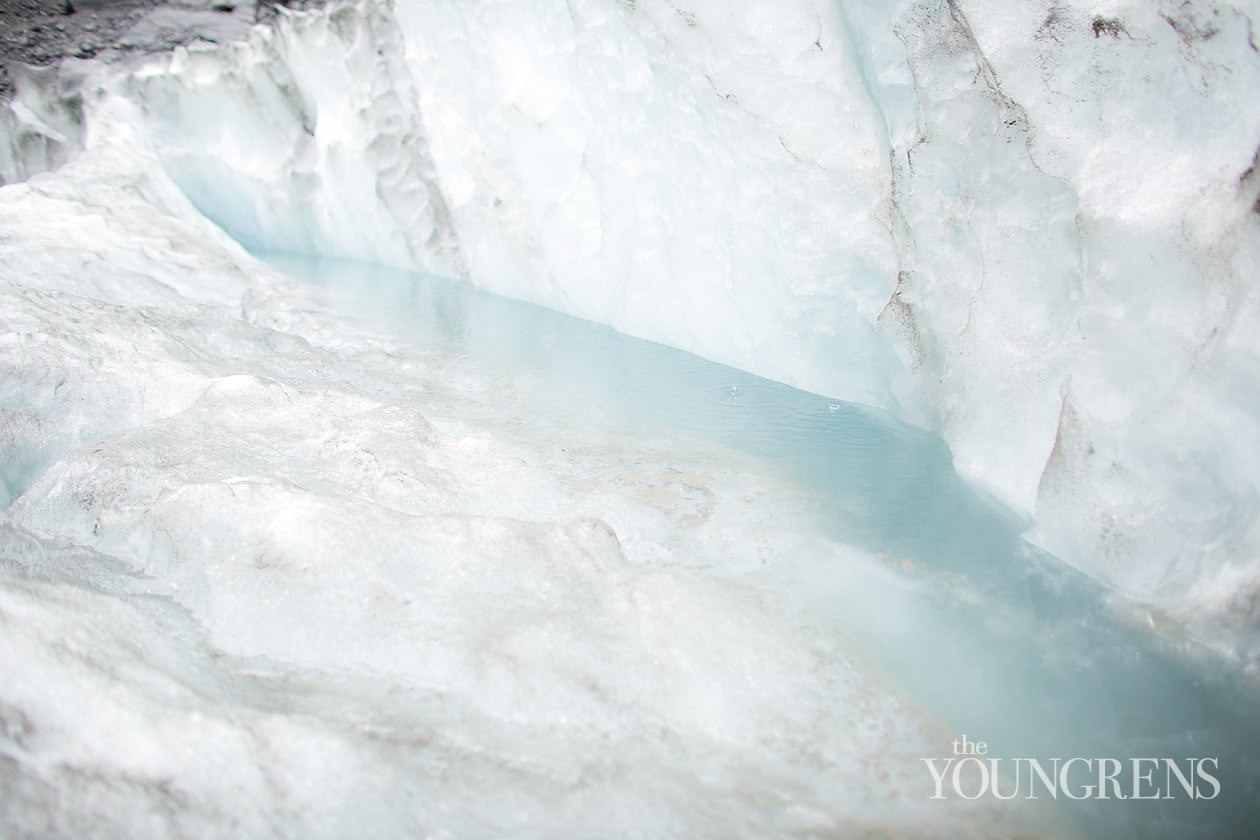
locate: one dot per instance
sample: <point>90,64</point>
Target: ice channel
<point>942,595</point>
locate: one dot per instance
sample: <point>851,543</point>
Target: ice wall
<point>609,160</point>
<point>1078,236</point>
<point>1146,113</point>
<point>1029,225</point>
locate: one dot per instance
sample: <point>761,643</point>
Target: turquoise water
<point>998,639</point>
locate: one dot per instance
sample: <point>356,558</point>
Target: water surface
<point>998,639</point>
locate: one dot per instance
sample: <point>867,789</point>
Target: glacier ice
<point>1029,232</point>
<point>1006,222</point>
<point>268,552</point>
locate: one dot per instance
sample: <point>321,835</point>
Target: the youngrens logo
<point>970,774</point>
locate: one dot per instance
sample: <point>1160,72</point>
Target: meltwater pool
<point>999,641</point>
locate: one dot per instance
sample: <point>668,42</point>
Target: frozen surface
<point>263,539</point>
<point>258,552</point>
<point>1029,227</point>
<point>375,552</point>
<point>431,550</point>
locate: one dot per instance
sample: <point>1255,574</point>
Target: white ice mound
<point>1032,227</point>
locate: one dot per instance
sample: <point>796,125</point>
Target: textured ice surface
<point>258,552</point>
<point>1026,227</point>
<point>371,555</point>
<point>1030,228</point>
